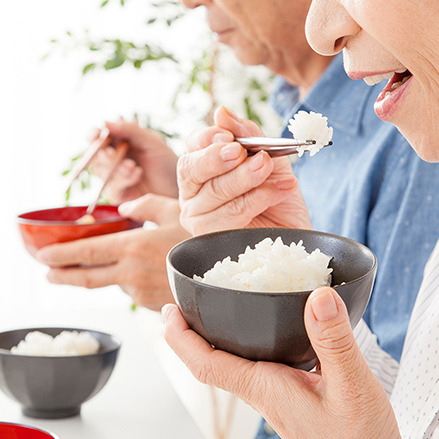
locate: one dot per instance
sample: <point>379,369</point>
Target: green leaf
<point>104,3</point>
<point>115,62</point>
<point>88,67</point>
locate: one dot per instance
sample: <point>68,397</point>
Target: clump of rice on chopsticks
<point>310,126</point>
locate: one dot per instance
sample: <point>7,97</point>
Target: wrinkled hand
<point>135,259</point>
<point>343,401</point>
<point>149,167</point>
<point>221,188</point>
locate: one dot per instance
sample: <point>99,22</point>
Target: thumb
<point>150,207</point>
<point>228,120</point>
<point>329,330</point>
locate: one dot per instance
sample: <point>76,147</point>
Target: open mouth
<point>392,96</point>
<point>396,80</point>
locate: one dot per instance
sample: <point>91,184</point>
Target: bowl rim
<point>29,427</point>
<point>39,222</point>
<point>7,352</point>
<point>267,293</point>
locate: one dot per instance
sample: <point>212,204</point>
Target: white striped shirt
<point>414,385</point>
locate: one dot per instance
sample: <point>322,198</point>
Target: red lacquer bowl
<point>44,227</point>
<point>18,431</point>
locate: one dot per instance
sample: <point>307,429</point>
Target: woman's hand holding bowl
<point>344,399</point>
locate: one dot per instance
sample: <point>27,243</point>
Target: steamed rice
<point>272,267</point>
<point>67,343</point>
<point>310,126</point>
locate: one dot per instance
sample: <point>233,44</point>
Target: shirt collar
<point>335,95</point>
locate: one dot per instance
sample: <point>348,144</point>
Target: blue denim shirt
<point>372,187</point>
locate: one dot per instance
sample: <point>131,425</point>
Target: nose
<point>192,4</point>
<point>329,27</point>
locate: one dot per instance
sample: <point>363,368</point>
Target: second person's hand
<point>149,166</point>
<point>135,259</point>
<point>221,188</point>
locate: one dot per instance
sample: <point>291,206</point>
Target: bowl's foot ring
<point>51,414</point>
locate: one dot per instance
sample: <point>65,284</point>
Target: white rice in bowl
<point>67,343</point>
<point>272,267</point>
<point>310,126</point>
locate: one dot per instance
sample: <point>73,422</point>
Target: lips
<point>391,97</point>
<point>397,80</point>
<point>222,34</point>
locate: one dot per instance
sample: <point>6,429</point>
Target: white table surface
<point>138,402</point>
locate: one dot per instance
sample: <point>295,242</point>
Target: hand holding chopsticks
<point>101,142</point>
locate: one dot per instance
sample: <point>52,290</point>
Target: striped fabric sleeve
<point>383,366</point>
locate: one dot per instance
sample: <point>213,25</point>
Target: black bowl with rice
<point>258,325</point>
<point>52,371</point>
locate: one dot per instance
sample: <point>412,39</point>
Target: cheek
<point>389,22</point>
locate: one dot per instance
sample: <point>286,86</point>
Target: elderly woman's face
<point>397,39</point>
<point>259,32</point>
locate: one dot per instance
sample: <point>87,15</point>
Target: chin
<point>248,54</point>
<point>247,59</point>
<point>424,145</point>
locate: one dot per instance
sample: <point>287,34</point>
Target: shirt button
<point>269,429</point>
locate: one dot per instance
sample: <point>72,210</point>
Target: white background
<point>47,110</point>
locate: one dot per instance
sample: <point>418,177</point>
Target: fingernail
<point>124,169</point>
<point>102,155</point>
<point>287,183</point>
<point>166,310</point>
<point>222,138</point>
<point>232,114</point>
<point>50,277</point>
<point>42,256</point>
<point>127,208</point>
<point>256,162</point>
<point>127,167</point>
<point>324,306</point>
<point>230,151</point>
<point>106,153</point>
